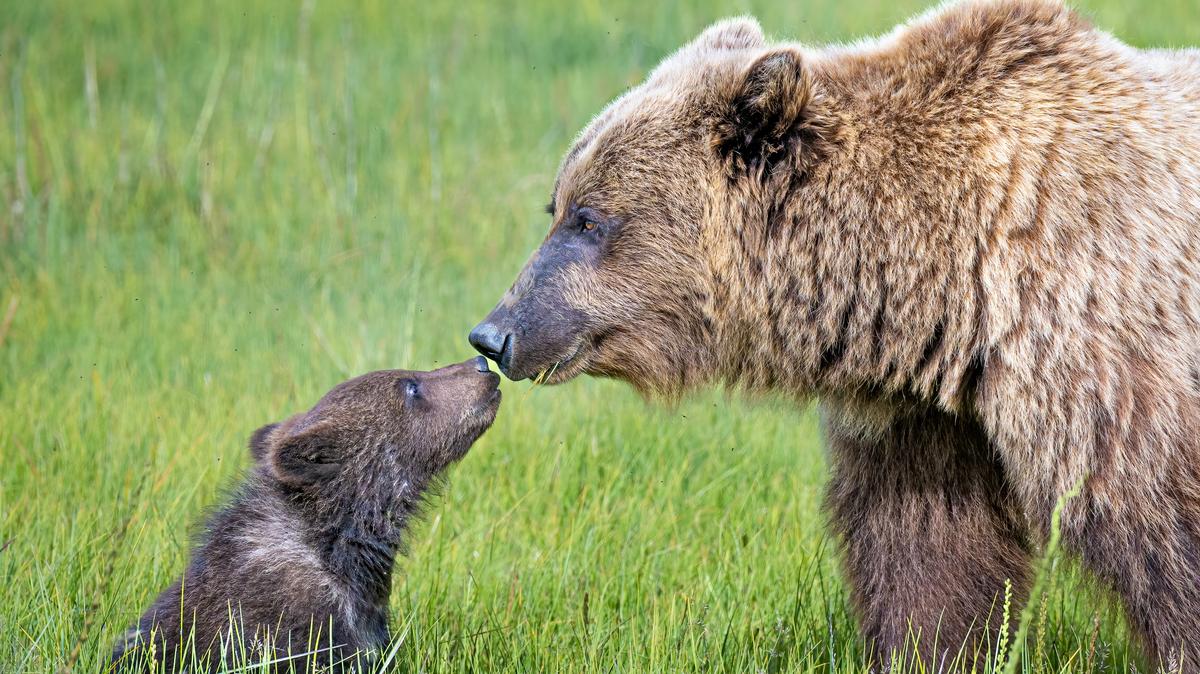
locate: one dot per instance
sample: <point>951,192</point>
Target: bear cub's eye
<point>410,388</point>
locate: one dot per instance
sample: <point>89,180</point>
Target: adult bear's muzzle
<point>493,341</point>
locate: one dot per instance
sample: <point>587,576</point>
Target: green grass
<point>212,214</point>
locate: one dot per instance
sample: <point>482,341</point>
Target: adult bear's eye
<point>588,220</point>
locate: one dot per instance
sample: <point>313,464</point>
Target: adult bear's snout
<point>493,342</point>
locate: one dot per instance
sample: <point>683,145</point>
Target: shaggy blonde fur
<point>977,240</point>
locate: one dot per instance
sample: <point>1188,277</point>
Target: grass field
<point>212,214</point>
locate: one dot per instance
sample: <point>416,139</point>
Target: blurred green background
<point>213,212</point>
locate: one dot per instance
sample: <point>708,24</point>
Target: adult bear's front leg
<point>928,529</point>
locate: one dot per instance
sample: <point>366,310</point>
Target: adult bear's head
<point>653,211</point>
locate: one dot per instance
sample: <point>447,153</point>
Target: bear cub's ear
<point>769,106</point>
<point>259,442</point>
<point>306,457</point>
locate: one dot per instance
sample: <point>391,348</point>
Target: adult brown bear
<point>976,239</point>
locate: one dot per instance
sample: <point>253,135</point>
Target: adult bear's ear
<point>260,442</point>
<point>306,457</point>
<point>767,110</point>
<point>742,32</point>
<point>723,36</point>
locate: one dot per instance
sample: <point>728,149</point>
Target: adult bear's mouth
<point>519,360</point>
<point>566,368</point>
<point>552,349</point>
<point>588,356</point>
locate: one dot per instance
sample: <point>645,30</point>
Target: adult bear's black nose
<point>491,342</point>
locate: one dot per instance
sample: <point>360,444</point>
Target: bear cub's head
<point>380,434</point>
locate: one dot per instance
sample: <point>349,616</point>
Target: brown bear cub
<point>297,570</point>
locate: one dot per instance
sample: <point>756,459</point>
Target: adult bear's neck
<point>855,268</point>
<point>880,260</point>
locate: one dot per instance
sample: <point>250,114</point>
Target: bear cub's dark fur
<point>297,569</point>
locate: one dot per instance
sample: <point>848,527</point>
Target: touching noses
<point>492,342</point>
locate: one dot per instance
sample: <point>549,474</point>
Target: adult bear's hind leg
<point>928,531</point>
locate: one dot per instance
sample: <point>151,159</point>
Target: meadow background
<point>210,213</point>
